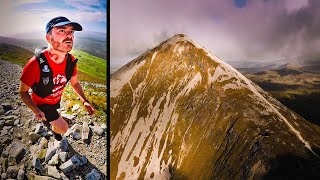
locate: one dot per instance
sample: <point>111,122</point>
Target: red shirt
<point>31,75</point>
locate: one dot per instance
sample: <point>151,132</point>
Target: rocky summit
<point>180,112</point>
<point>29,151</point>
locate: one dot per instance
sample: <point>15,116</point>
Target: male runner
<point>48,72</point>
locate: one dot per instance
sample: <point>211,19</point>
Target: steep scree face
<point>178,111</point>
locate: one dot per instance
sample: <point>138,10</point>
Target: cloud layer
<point>258,30</point>
<point>22,16</point>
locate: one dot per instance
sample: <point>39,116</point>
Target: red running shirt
<point>31,75</point>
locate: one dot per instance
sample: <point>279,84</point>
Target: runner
<point>48,72</point>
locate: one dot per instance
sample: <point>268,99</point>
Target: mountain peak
<point>182,38</point>
<point>178,111</point>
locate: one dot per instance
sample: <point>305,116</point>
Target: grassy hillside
<point>91,68</point>
<point>14,54</point>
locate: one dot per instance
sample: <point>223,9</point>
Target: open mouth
<point>68,42</point>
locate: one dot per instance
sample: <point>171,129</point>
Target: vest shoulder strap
<point>45,85</point>
<point>70,66</point>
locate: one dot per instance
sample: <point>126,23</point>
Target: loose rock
<point>70,165</point>
<point>93,175</point>
<point>53,172</point>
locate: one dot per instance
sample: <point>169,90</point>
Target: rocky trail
<point>29,151</point>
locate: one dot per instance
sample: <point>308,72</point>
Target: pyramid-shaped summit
<point>178,111</point>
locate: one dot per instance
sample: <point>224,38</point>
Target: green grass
<point>92,68</point>
<point>14,54</point>
<point>96,96</point>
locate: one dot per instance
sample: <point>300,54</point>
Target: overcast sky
<point>259,30</point>
<point>24,16</point>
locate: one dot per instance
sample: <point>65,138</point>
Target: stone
<point>11,117</point>
<point>75,107</point>
<point>53,172</point>
<point>8,113</point>
<point>7,128</point>
<point>34,137</point>
<point>63,156</point>
<point>76,131</point>
<point>63,176</point>
<point>43,178</point>
<point>62,145</point>
<point>70,165</point>
<point>45,134</point>
<point>3,176</point>
<point>39,129</point>
<point>54,160</point>
<point>37,164</point>
<point>17,151</point>
<point>98,130</point>
<point>20,174</point>
<point>4,165</point>
<point>43,143</point>
<point>16,113</point>
<point>103,126</point>
<point>1,110</point>
<point>5,140</point>
<point>12,171</point>
<point>85,131</point>
<point>16,122</point>
<point>93,175</point>
<point>2,122</point>
<point>84,160</point>
<point>3,132</point>
<point>18,154</point>
<point>68,116</point>
<point>50,152</point>
<point>42,154</point>
<point>6,106</point>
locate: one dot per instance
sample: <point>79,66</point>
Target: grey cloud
<point>262,30</point>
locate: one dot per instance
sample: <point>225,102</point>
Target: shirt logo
<point>59,79</point>
<point>45,80</point>
<point>41,61</point>
<point>45,68</point>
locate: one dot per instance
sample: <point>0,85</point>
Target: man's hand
<point>40,116</point>
<point>89,108</point>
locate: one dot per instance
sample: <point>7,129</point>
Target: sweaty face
<point>61,38</point>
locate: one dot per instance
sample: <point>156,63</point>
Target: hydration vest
<point>45,85</point>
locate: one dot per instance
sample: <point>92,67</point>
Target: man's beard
<point>60,46</point>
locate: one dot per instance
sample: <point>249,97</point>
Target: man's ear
<point>48,38</point>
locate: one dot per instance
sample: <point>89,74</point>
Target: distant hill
<point>14,54</point>
<point>91,68</point>
<point>293,86</point>
<point>90,42</point>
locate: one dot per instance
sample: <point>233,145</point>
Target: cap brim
<point>76,26</point>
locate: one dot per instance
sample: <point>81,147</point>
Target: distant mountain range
<point>295,86</point>
<point>179,112</point>
<point>91,42</point>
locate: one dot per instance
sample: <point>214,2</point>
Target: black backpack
<point>45,85</point>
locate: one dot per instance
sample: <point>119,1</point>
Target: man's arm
<point>26,98</point>
<point>78,89</point>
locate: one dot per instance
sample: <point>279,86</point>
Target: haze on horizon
<point>234,30</point>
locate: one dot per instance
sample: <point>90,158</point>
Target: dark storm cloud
<point>231,29</point>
